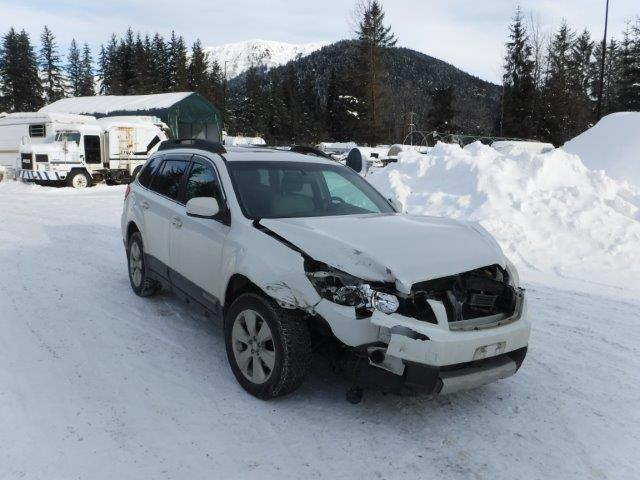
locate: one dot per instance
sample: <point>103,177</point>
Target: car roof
<point>255,154</point>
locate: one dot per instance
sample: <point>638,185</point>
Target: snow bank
<point>612,145</point>
<point>548,211</point>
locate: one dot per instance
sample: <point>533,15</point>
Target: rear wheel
<point>141,284</point>
<point>268,347</point>
<point>79,179</point>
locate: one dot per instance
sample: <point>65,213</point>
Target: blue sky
<point>469,34</point>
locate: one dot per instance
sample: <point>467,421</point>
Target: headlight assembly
<point>345,289</point>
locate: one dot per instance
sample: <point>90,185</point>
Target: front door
<point>159,205</point>
<point>92,151</point>
<point>197,243</point>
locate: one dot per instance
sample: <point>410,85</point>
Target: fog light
<point>385,302</point>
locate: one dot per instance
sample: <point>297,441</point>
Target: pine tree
<point>373,41</point>
<point>557,98</point>
<point>74,70</point>
<point>177,64</point>
<point>580,81</point>
<point>107,66</point>
<point>518,83</point>
<point>611,75</point>
<point>341,109</point>
<point>629,83</point>
<point>87,88</point>
<point>197,72</point>
<point>440,117</point>
<point>20,89</point>
<point>50,66</point>
<point>160,77</point>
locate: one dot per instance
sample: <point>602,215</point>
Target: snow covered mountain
<point>242,55</point>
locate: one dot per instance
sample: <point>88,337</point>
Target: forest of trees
<point>551,85</point>
<point>549,92</point>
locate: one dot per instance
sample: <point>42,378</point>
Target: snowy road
<point>96,383</point>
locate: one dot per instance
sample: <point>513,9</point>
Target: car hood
<point>399,248</point>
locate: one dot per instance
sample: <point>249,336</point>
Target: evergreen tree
<point>629,80</point>
<point>342,108</point>
<point>20,89</point>
<point>87,88</point>
<point>74,70</point>
<point>373,41</point>
<point>107,67</point>
<point>161,81</point>
<point>50,66</point>
<point>580,81</point>
<point>557,97</point>
<point>177,64</point>
<point>611,75</point>
<point>440,117</point>
<point>216,82</point>
<point>198,79</point>
<point>518,83</point>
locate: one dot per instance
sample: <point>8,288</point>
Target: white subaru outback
<point>295,252</point>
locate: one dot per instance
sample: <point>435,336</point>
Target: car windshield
<point>302,189</point>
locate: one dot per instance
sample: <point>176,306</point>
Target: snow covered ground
<point>96,383</point>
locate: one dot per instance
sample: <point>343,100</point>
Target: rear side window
<point>144,177</point>
<point>168,180</point>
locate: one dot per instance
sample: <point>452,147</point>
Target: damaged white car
<point>298,254</point>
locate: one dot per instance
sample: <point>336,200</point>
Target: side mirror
<point>203,207</point>
<point>396,204</point>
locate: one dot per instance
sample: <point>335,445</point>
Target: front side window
<point>168,180</point>
<point>202,182</point>
<point>302,189</point>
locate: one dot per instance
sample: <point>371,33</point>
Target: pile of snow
<point>243,141</point>
<point>242,55</point>
<point>548,211</point>
<point>612,145</point>
<point>515,147</point>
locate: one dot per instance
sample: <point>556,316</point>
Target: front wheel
<point>79,180</point>
<point>268,347</point>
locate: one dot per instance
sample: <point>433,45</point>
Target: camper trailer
<point>112,149</point>
<point>31,128</point>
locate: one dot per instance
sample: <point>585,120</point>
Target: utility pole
<point>604,56</point>
<point>224,89</point>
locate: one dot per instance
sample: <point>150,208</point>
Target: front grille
<point>26,161</point>
<point>484,293</point>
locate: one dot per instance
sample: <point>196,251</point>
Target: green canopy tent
<point>188,114</point>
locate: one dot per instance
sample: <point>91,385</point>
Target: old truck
<point>111,149</point>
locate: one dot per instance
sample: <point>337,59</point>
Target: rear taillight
<point>127,191</point>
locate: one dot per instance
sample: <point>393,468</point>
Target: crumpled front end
<point>447,334</point>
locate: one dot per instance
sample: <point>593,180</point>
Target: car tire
<point>79,179</point>
<point>141,284</point>
<point>278,365</point>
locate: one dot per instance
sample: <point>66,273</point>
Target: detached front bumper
<point>432,358</point>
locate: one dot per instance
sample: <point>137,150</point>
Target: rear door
<point>160,204</point>
<point>196,243</point>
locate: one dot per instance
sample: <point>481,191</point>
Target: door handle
<point>144,204</point>
<point>175,220</point>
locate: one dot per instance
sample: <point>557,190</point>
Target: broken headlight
<point>345,289</point>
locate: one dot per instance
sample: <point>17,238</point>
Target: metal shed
<point>188,114</point>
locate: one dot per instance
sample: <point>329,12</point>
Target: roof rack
<point>213,147</point>
<point>303,149</point>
